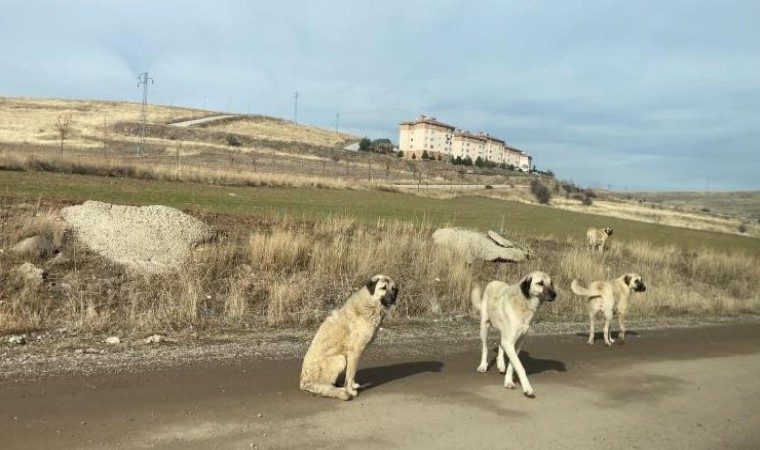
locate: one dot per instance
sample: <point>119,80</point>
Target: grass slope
<point>517,219</point>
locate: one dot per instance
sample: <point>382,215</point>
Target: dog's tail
<point>576,287</point>
<point>476,297</point>
<point>326,390</point>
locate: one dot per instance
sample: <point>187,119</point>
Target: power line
<point>295,110</point>
<point>143,80</point>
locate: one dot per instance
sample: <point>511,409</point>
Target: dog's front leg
<point>514,362</point>
<point>621,322</point>
<point>352,360</point>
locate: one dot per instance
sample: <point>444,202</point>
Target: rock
<point>113,340</point>
<point>499,239</point>
<point>477,246</point>
<point>156,339</point>
<point>34,247</point>
<point>18,339</point>
<point>150,239</point>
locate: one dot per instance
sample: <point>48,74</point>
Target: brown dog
<point>342,338</point>
<point>596,238</point>
<point>607,297</point>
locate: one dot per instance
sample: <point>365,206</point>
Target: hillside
<point>268,151</point>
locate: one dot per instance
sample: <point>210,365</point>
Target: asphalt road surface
<point>690,388</point>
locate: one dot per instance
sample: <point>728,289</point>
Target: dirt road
<point>695,388</point>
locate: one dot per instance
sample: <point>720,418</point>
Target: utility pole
<point>295,110</point>
<point>143,80</point>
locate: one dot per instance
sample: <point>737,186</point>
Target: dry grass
<point>292,272</point>
<point>284,131</point>
<point>135,168</point>
<point>663,215</point>
<point>33,121</point>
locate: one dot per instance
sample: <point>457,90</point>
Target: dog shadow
<point>599,335</point>
<point>534,365</point>
<point>373,377</point>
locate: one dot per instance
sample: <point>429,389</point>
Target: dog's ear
<point>627,280</point>
<point>371,285</point>
<point>525,286</point>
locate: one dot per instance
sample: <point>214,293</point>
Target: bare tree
<point>63,125</point>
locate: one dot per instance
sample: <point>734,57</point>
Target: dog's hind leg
<point>483,367</point>
<point>500,361</point>
<point>321,380</point>
<point>591,331</point>
<point>607,319</point>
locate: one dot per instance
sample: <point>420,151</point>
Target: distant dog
<point>607,297</point>
<point>510,309</point>
<point>596,238</point>
<point>343,337</point>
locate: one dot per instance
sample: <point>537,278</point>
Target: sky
<point>629,95</point>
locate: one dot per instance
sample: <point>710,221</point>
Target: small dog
<point>510,309</point>
<point>342,338</point>
<point>596,238</point>
<point>609,296</point>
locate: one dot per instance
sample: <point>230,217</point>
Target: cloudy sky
<point>632,95</point>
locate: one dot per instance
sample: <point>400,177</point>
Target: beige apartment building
<point>425,134</point>
<point>440,139</point>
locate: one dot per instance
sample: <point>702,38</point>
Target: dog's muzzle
<point>640,287</point>
<point>390,298</point>
<point>548,295</point>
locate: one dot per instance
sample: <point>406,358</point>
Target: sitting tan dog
<point>608,297</point>
<point>342,338</point>
<point>510,309</point>
<point>596,238</point>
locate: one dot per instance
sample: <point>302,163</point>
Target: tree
<point>425,155</point>
<point>63,125</point>
<point>400,154</point>
<point>364,144</point>
<point>467,161</point>
<point>479,162</point>
<point>384,146</point>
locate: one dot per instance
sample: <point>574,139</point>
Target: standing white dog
<point>609,297</point>
<point>510,309</point>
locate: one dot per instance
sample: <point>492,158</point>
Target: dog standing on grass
<point>342,338</point>
<point>608,297</point>
<point>597,237</point>
<point>510,309</point>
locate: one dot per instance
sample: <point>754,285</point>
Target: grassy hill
<point>303,222</point>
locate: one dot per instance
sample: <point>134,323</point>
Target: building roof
<point>428,120</point>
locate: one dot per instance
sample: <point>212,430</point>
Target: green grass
<point>518,220</point>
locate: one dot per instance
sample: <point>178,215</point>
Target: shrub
<point>540,191</point>
<point>234,140</point>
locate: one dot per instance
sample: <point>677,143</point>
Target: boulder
<point>479,246</point>
<point>149,239</point>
